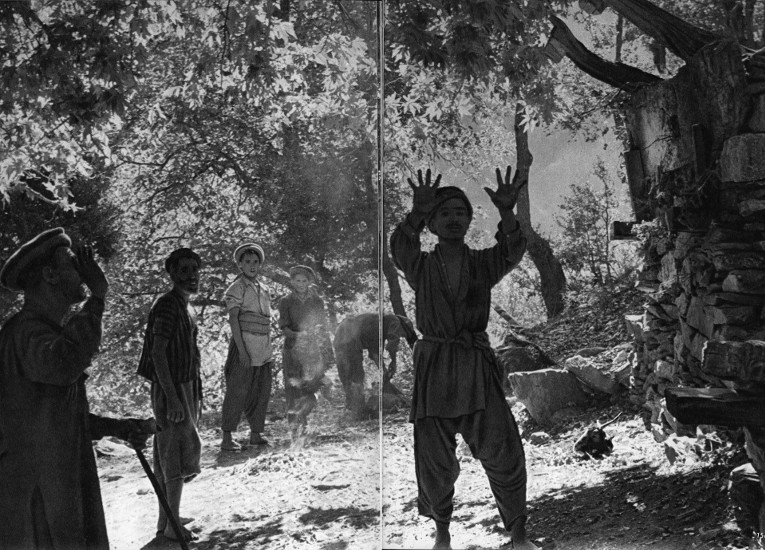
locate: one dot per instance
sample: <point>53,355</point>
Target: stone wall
<point>699,177</point>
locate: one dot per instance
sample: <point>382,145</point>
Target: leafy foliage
<point>584,245</point>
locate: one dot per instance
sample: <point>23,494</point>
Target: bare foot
<point>519,537</point>
<point>257,439</point>
<point>443,537</point>
<point>228,443</point>
<point>169,533</point>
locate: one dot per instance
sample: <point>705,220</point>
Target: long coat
<point>49,491</point>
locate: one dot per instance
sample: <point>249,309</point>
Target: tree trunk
<point>619,75</point>
<point>388,269</point>
<point>553,280</point>
<point>391,276</point>
<point>675,34</point>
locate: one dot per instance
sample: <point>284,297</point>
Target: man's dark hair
<point>179,254</point>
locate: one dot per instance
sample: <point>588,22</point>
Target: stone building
<point>696,171</point>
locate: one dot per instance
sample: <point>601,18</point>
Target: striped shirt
<point>171,318</point>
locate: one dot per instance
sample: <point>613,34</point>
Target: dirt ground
<point>323,492</point>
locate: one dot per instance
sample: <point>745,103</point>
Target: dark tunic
<point>458,386</point>
<point>50,495</point>
<point>453,362</point>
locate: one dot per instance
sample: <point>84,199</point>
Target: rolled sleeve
<point>234,297</point>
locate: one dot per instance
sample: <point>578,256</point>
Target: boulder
<point>111,446</point>
<point>591,375</point>
<point>545,391</point>
<point>515,358</point>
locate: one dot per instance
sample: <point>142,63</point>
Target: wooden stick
<point>162,500</point>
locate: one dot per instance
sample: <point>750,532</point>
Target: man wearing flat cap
<point>458,386</point>
<point>170,360</point>
<point>49,491</point>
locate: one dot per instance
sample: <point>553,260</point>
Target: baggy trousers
<point>493,437</point>
<point>248,390</point>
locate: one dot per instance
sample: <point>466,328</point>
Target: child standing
<point>249,364</point>
<point>307,346</point>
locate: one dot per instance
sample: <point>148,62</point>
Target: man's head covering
<point>179,254</point>
<point>30,253</point>
<point>444,194</point>
<point>249,247</point>
<point>304,269</point>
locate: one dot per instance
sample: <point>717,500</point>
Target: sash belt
<point>478,340</point>
<point>254,323</point>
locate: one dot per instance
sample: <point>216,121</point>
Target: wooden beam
<point>619,75</point>
<point>716,406</point>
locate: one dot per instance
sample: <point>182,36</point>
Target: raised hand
<point>424,192</point>
<point>90,272</point>
<point>506,195</point>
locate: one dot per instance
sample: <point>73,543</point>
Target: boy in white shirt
<point>248,368</point>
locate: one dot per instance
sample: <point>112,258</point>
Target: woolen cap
<point>249,247</point>
<point>30,252</point>
<point>307,271</point>
<point>444,194</point>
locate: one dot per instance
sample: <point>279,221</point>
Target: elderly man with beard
<point>49,491</point>
<point>170,359</point>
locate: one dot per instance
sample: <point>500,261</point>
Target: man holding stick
<point>458,386</point>
<point>171,360</point>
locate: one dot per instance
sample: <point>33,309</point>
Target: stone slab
<point>741,159</point>
<point>545,391</point>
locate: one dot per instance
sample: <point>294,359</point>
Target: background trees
<point>146,125</point>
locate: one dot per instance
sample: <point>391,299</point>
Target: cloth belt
<point>479,340</point>
<point>254,323</point>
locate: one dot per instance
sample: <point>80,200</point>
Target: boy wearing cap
<point>458,386</point>
<point>170,360</point>
<point>307,345</point>
<point>50,495</point>
<point>248,367</point>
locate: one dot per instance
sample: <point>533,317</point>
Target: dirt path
<point>324,493</point>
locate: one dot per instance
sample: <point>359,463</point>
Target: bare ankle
<point>443,537</point>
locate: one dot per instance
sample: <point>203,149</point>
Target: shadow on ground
<point>636,507</point>
<point>358,518</point>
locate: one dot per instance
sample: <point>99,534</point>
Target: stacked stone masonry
<point>700,137</point>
